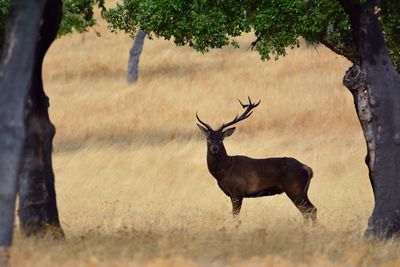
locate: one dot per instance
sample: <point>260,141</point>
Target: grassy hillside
<point>131,176</point>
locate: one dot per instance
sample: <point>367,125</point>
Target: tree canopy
<point>277,24</point>
<point>204,25</point>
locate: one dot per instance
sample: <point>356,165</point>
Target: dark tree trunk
<point>375,85</point>
<point>134,55</point>
<point>37,197</point>
<point>15,80</point>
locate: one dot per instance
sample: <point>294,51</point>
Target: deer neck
<point>219,164</point>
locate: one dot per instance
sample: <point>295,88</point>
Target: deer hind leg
<point>305,206</point>
<point>236,206</point>
<point>308,210</point>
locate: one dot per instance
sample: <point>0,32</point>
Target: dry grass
<point>132,182</point>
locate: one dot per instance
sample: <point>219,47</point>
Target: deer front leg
<point>236,206</point>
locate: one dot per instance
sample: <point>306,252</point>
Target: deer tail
<point>310,174</point>
<point>309,171</point>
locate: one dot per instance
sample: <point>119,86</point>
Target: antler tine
<point>250,103</point>
<point>244,115</point>
<point>249,100</point>
<point>243,105</point>
<point>202,122</point>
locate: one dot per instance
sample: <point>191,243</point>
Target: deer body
<point>243,177</point>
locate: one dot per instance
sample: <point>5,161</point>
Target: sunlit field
<point>130,163</point>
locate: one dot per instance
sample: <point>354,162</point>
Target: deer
<point>244,177</point>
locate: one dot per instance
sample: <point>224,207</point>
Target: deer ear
<point>228,132</point>
<point>203,130</point>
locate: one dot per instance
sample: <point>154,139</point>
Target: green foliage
<point>200,24</point>
<point>78,15</point>
<point>390,21</point>
<point>205,24</point>
<point>277,24</point>
<point>326,22</point>
<point>3,15</point>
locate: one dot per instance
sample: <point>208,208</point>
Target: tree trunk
<point>15,80</point>
<point>375,85</point>
<point>134,55</point>
<point>37,197</point>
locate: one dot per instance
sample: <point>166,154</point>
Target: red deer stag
<point>241,176</point>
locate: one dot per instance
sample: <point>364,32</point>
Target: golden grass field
<point>131,176</point>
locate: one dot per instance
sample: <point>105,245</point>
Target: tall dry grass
<point>132,181</point>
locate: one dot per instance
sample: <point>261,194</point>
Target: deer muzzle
<point>214,149</point>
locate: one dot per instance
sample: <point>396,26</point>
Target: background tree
<point>134,56</point>
<point>349,28</point>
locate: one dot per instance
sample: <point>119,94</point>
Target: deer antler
<point>249,107</point>
<point>203,123</point>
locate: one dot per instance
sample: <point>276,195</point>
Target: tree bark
<point>134,55</point>
<point>15,80</point>
<point>37,197</point>
<point>375,85</point>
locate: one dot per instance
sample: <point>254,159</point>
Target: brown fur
<point>243,177</point>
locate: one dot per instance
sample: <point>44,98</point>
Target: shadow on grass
<point>224,245</point>
<point>147,138</point>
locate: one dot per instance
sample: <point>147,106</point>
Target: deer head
<point>216,137</point>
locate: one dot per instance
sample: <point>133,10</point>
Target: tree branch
<point>347,50</point>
